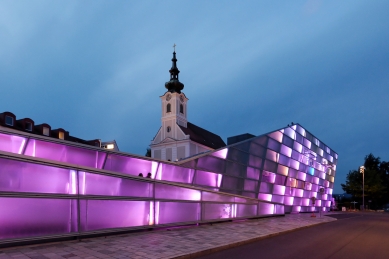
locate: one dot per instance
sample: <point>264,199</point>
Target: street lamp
<point>362,171</point>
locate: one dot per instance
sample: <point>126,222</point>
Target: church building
<point>177,138</point>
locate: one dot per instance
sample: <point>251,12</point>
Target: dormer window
<point>28,126</point>
<point>168,108</point>
<point>61,135</point>
<point>181,108</point>
<point>9,120</point>
<point>46,131</point>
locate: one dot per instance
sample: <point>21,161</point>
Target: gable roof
<point>202,136</point>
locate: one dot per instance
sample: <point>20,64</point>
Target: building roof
<point>202,136</point>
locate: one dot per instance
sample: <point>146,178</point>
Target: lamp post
<point>362,171</point>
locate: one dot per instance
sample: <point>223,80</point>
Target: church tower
<point>177,138</point>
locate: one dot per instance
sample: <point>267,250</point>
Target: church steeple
<point>174,85</point>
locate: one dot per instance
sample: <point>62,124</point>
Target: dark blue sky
<point>97,68</point>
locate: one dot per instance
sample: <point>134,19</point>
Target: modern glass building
<point>55,188</point>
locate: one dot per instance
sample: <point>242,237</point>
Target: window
<point>9,120</point>
<point>46,131</point>
<point>168,129</point>
<point>181,108</point>
<point>168,107</point>
<point>29,126</point>
<point>61,135</point>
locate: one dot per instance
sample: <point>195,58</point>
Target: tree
<point>376,182</point>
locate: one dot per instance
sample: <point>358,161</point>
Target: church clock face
<point>168,97</point>
<point>181,98</point>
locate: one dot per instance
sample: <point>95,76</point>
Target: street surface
<point>353,235</point>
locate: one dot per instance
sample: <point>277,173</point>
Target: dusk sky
<point>97,69</point>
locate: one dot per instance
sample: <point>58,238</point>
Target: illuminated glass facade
<point>52,188</point>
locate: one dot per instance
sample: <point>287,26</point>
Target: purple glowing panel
<point>290,133</point>
<point>244,210</point>
<point>255,161</point>
<point>279,209</point>
<point>63,153</point>
<point>278,189</point>
<point>104,214</point>
<point>213,164</point>
<point>129,165</point>
<point>165,191</point>
<point>174,173</point>
<point>305,202</point>
<point>288,200</point>
<point>287,151</point>
<point>277,198</point>
<point>221,153</point>
<point>298,192</point>
<point>284,160</point>
<point>294,164</point>
<point>31,217</point>
<point>13,144</point>
<point>253,173</point>
<point>209,196</point>
<point>173,212</point>
<point>217,211</point>
<point>250,185</point>
<point>19,176</point>
<point>207,178</point>
<point>95,184</point>
<point>271,155</point>
<point>265,208</point>
<point>264,196</point>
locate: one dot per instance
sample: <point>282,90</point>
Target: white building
<point>177,138</point>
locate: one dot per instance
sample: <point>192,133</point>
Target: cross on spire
<point>174,46</point>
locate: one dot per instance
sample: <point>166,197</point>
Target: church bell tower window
<point>181,108</point>
<point>168,108</point>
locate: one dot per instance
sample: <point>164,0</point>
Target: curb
<point>239,243</point>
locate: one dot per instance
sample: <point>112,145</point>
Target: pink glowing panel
<point>298,147</point>
<point>315,180</point>
<point>307,143</point>
<point>209,196</point>
<point>300,130</point>
<point>287,151</point>
<point>207,178</point>
<point>32,217</point>
<point>250,185</point>
<point>322,175</point>
<point>244,210</point>
<point>318,203</point>
<point>217,211</point>
<point>129,165</point>
<point>103,214</point>
<point>288,200</point>
<point>328,203</point>
<point>276,135</point>
<point>329,191</point>
<point>324,197</point>
<point>282,170</point>
<point>298,192</point>
<point>63,153</point>
<point>265,208</point>
<point>173,212</point>
<point>301,176</point>
<point>264,196</point>
<point>174,173</point>
<point>13,144</point>
<point>308,186</point>
<point>314,194</point>
<point>164,191</point>
<point>278,189</point>
<point>305,202</point>
<point>95,184</point>
<point>278,199</point>
<point>19,176</point>
<point>221,153</point>
<point>253,173</point>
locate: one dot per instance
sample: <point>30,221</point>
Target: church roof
<point>202,136</point>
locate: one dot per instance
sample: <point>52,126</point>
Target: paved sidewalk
<point>185,242</point>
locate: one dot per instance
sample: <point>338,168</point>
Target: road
<point>354,235</point>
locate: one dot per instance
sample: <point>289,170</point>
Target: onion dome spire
<point>174,85</point>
